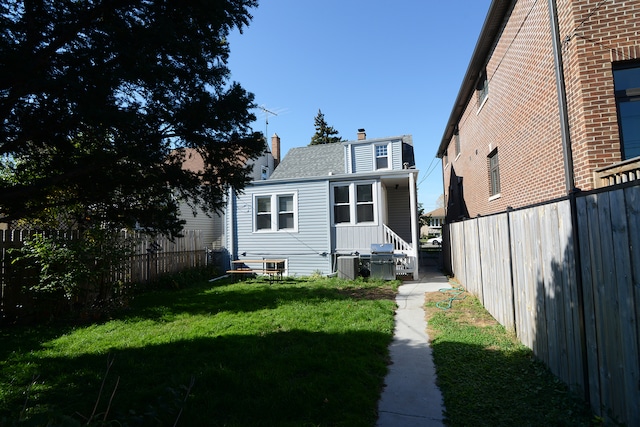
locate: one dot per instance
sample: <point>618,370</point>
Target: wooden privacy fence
<point>153,256</point>
<point>569,288</point>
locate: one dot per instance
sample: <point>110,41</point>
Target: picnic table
<point>271,267</point>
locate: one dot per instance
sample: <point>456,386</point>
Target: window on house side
<point>275,212</point>
<point>264,173</point>
<point>382,157</point>
<point>364,205</point>
<point>263,213</point>
<point>354,203</point>
<point>341,204</point>
<point>626,78</point>
<point>494,173</point>
<point>285,212</point>
<point>457,140</point>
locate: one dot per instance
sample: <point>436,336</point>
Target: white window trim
<point>353,204</point>
<point>389,156</point>
<point>275,212</point>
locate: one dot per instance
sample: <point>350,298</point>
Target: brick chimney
<point>362,135</point>
<point>275,149</point>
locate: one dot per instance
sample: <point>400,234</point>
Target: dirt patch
<point>376,293</point>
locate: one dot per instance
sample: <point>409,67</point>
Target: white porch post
<point>415,233</point>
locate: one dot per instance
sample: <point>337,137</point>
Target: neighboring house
<point>212,225</point>
<point>434,221</point>
<point>503,143</point>
<point>325,201</point>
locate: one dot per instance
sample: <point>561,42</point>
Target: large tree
<point>101,100</point>
<point>325,134</point>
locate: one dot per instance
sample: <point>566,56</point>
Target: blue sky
<point>390,67</point>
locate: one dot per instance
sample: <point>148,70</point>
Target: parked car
<point>437,241</point>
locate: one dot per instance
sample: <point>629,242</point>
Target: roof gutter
<point>490,30</point>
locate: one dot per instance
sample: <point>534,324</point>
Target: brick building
<point>503,143</point>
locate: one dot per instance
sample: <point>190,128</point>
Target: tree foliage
<point>325,134</point>
<point>102,100</point>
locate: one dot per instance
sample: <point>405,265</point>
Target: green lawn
<point>487,377</point>
<point>293,353</point>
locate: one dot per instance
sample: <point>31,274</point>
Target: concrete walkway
<point>410,397</point>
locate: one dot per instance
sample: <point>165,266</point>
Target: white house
<point>327,201</point>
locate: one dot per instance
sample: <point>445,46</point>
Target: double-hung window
<point>286,213</point>
<point>341,204</point>
<point>275,212</point>
<point>494,173</point>
<point>364,203</point>
<point>354,203</point>
<point>382,156</point>
<point>263,213</point>
<point>627,88</point>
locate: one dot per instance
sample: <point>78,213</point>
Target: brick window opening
<point>494,173</point>
<point>482,88</point>
<point>456,137</point>
<point>626,78</point>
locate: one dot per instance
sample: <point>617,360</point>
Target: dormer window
<point>382,156</point>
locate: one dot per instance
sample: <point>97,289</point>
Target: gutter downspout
<point>570,186</point>
<point>562,98</point>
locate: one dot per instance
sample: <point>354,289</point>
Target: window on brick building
<point>494,173</point>
<point>456,137</point>
<point>482,88</point>
<point>627,86</point>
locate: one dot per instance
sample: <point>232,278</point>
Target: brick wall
<point>520,116</point>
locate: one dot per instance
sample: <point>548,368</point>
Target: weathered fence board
<point>473,279</point>
<point>527,258</point>
<point>496,270</point>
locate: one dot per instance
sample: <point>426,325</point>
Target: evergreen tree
<point>99,99</point>
<point>325,134</point>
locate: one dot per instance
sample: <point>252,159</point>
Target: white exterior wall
<point>210,226</point>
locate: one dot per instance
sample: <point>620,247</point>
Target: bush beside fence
<point>152,257</point>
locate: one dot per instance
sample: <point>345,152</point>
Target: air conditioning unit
<point>348,267</point>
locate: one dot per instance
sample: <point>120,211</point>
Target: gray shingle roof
<point>311,161</point>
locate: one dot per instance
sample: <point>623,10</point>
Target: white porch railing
<point>404,265</point>
<point>398,242</point>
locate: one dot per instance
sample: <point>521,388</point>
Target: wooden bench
<point>270,267</point>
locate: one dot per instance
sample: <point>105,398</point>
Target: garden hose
<point>454,294</point>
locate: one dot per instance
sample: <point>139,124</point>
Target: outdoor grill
<point>382,264</point>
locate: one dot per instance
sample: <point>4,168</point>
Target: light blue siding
<point>362,155</point>
<point>399,212</point>
<point>306,250</point>
<point>363,158</point>
<point>396,154</point>
<point>350,239</point>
